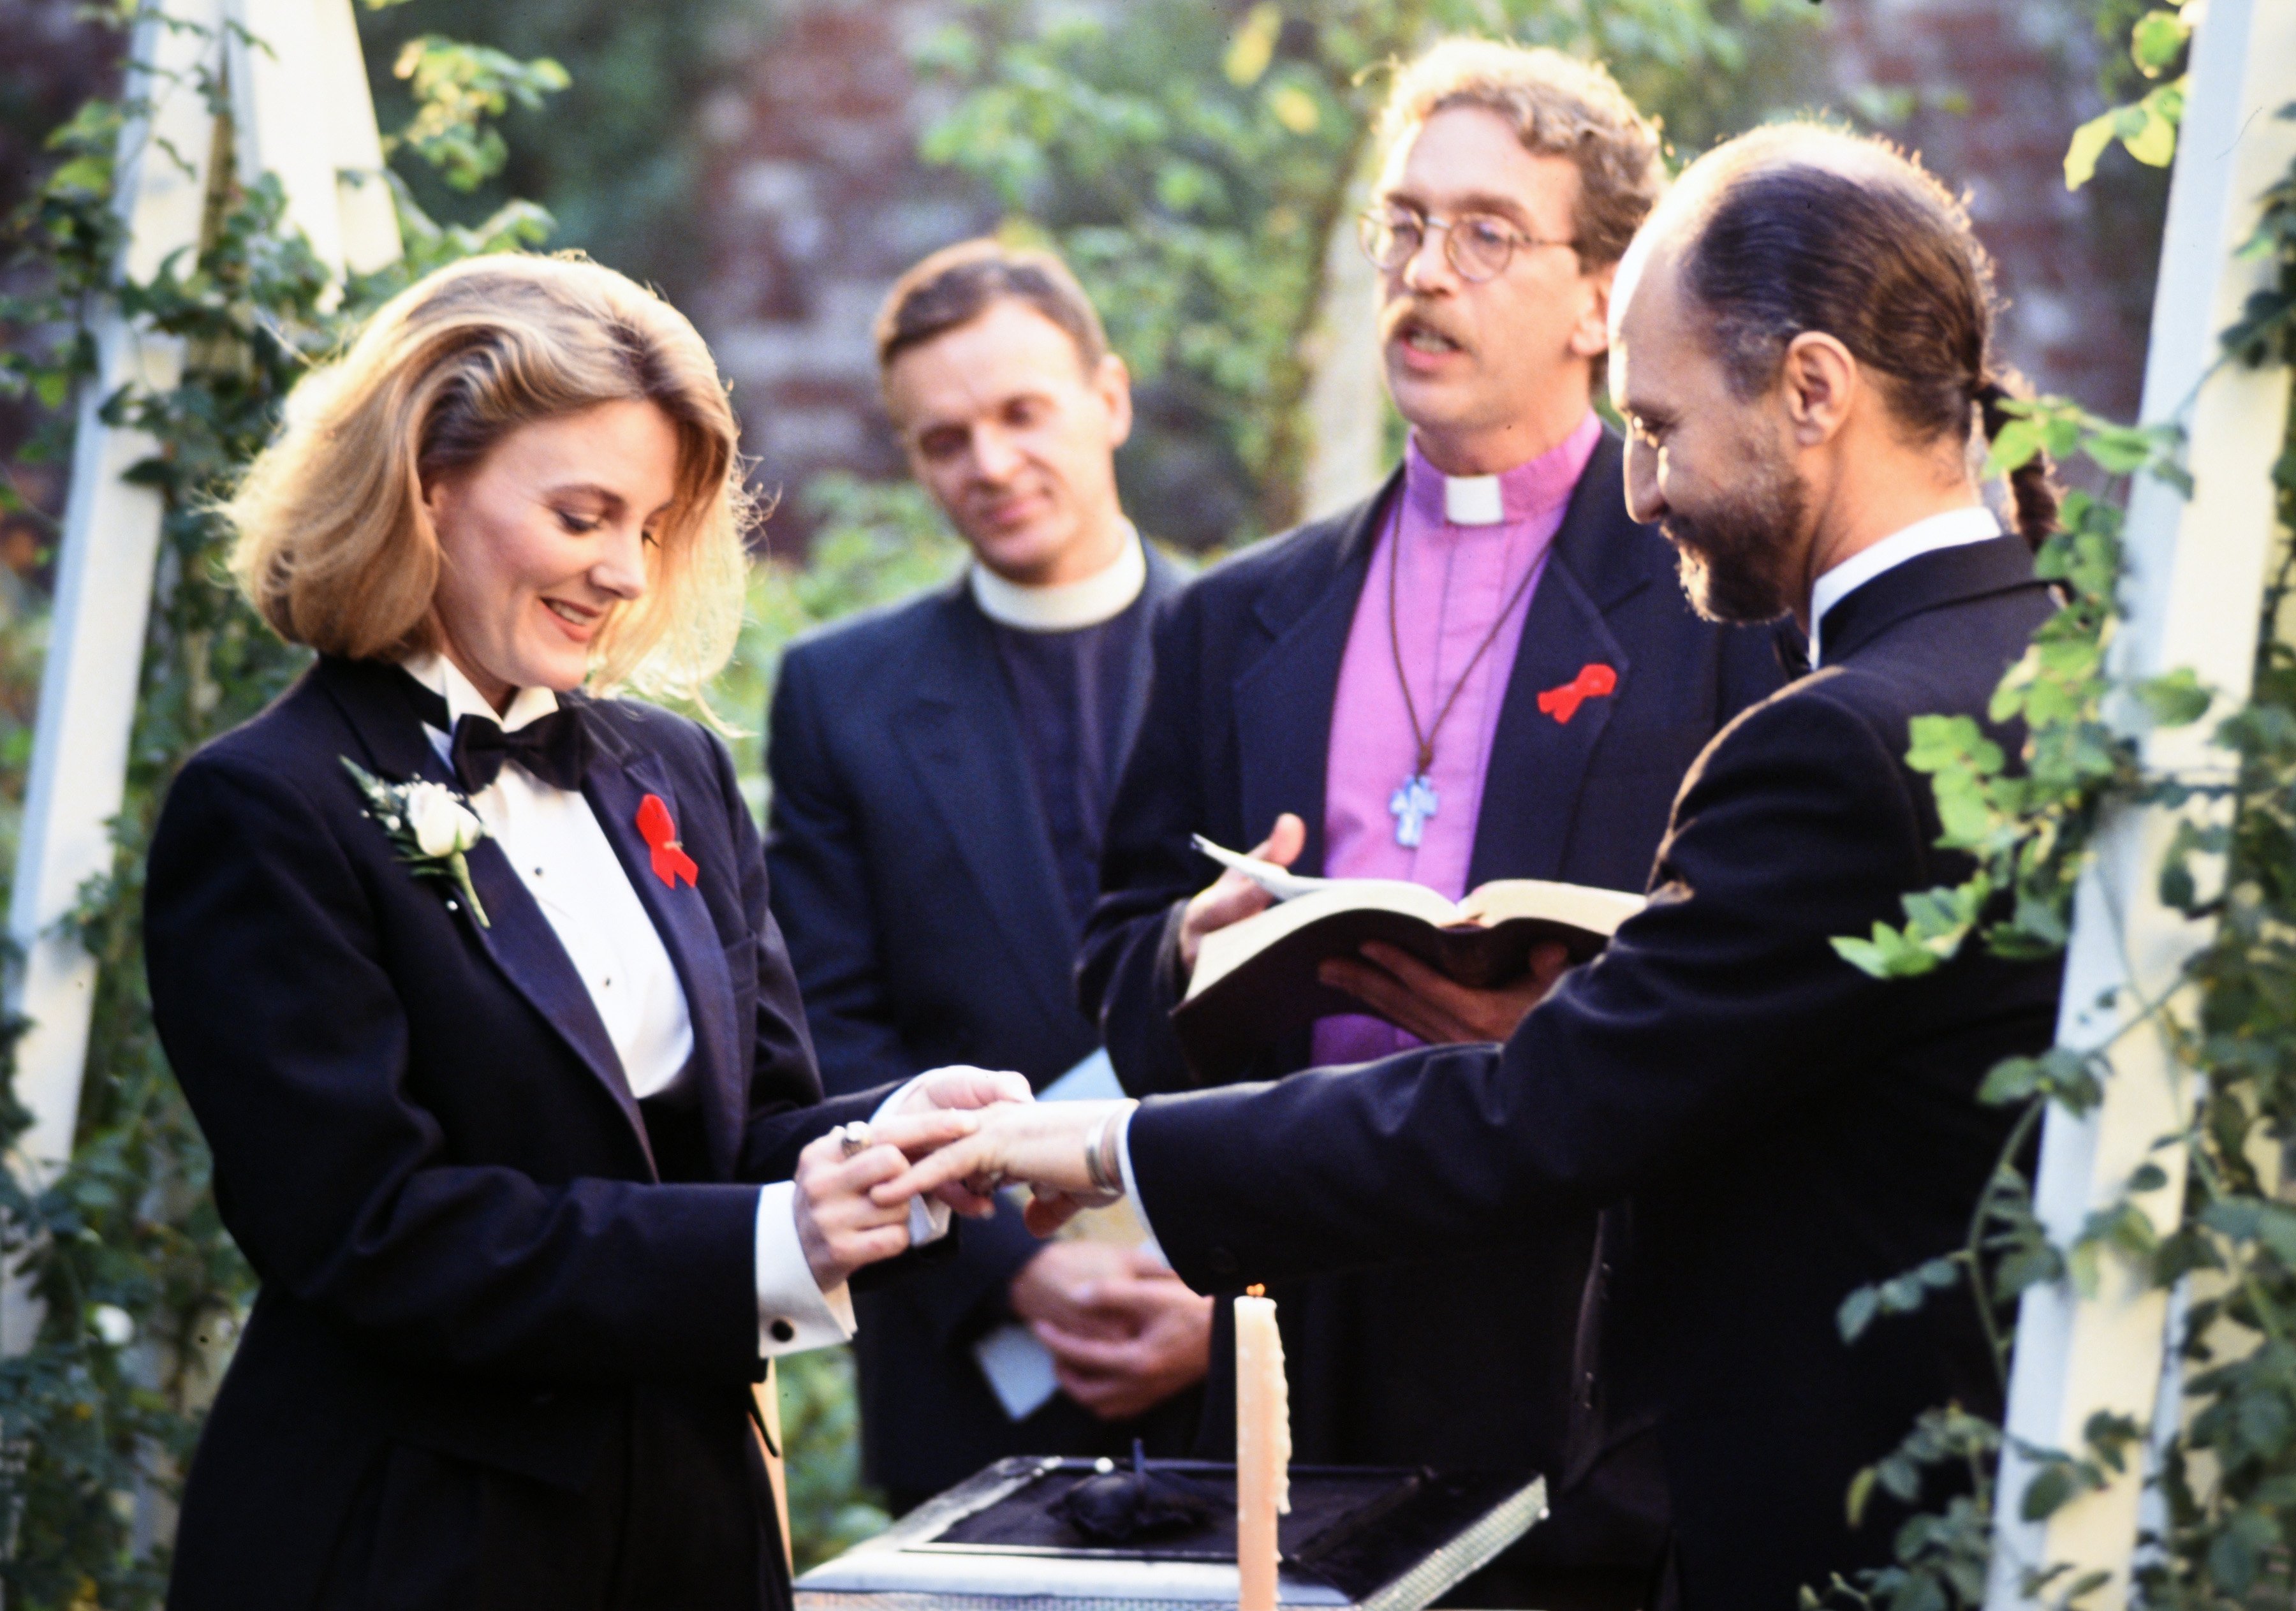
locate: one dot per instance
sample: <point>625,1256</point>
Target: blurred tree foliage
<point>1193,161</point>
<point>616,157</point>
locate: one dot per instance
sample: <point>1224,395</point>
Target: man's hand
<point>1420,1001</point>
<point>1056,1287</point>
<point>1147,1337</point>
<point>1039,1142</point>
<point>839,1225</point>
<point>956,1088</point>
<point>1231,898</point>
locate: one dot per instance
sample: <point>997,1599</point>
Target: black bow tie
<point>555,749</point>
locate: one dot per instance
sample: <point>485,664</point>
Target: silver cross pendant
<point>1414,801</point>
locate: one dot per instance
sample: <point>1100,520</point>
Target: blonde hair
<point>334,548</point>
<point>1559,106</point>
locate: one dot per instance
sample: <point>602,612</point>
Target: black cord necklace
<point>1415,799</point>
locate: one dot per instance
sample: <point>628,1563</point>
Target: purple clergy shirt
<point>1452,583</point>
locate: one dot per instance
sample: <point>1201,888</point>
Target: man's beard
<point>1736,551</point>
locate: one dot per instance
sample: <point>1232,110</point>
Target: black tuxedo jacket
<point>1458,1361</point>
<point>913,875</point>
<point>1786,1128</point>
<point>487,1287</point>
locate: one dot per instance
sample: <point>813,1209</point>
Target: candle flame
<point>1255,1291</point>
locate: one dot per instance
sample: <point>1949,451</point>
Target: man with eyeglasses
<point>1487,670</point>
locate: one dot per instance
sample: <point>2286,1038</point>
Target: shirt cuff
<point>929,1220</point>
<point>793,1313</point>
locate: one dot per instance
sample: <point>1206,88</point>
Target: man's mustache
<point>1398,320</point>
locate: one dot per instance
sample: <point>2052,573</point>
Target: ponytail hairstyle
<point>1800,227</point>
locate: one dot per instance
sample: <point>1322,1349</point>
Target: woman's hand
<point>840,1224</point>
<point>1040,1143</point>
<point>960,1085</point>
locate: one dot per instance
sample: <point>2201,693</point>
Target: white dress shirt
<point>1950,529</point>
<point>562,856</point>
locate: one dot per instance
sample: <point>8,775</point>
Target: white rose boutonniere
<point>430,826</point>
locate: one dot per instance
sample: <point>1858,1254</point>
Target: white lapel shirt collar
<point>444,677</point>
<point>1951,530</point>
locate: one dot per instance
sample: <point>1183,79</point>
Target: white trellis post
<point>301,110</point>
<point>2195,586</point>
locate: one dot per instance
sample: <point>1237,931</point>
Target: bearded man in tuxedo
<point>1376,693</point>
<point>1801,346</point>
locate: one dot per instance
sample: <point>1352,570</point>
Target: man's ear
<point>1114,381</point>
<point>1590,333</point>
<point>1820,382</point>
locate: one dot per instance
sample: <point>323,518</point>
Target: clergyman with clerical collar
<point>941,772</point>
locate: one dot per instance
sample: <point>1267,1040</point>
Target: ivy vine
<point>142,1286</point>
<point>2229,1478</point>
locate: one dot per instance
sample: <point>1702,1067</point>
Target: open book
<point>1255,981</point>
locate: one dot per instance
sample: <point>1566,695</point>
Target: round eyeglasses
<point>1477,245</point>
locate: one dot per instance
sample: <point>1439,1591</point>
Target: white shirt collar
<point>443,676</point>
<point>1474,500</point>
<point>1066,606</point>
<point>1951,530</point>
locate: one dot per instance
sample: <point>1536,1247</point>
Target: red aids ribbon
<point>1593,682</point>
<point>670,861</point>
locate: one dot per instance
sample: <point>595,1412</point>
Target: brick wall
<point>815,201</point>
<point>1989,91</point>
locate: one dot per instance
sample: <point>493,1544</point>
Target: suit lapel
<point>1284,699</point>
<point>517,937</point>
<point>617,782</point>
<point>1531,787</point>
<point>1164,580</point>
<point>964,744</point>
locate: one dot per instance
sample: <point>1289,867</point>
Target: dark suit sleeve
<point>275,999</point>
<point>1128,975</point>
<point>1720,1002</point>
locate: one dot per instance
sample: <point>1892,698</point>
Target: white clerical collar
<point>1065,606</point>
<point>1951,530</point>
<point>443,676</point>
<point>1474,500</point>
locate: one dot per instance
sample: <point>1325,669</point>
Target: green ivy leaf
<point>2157,40</point>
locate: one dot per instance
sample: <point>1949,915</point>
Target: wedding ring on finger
<point>852,1140</point>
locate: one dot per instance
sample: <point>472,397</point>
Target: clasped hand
<point>840,1224</point>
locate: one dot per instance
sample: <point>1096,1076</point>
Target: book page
<point>1223,951</point>
<point>1597,911</point>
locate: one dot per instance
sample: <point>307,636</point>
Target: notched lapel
<point>1284,699</point>
<point>964,745</point>
<point>519,939</point>
<point>616,785</point>
<point>1530,789</point>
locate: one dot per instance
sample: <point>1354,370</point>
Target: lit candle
<point>1263,1448</point>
